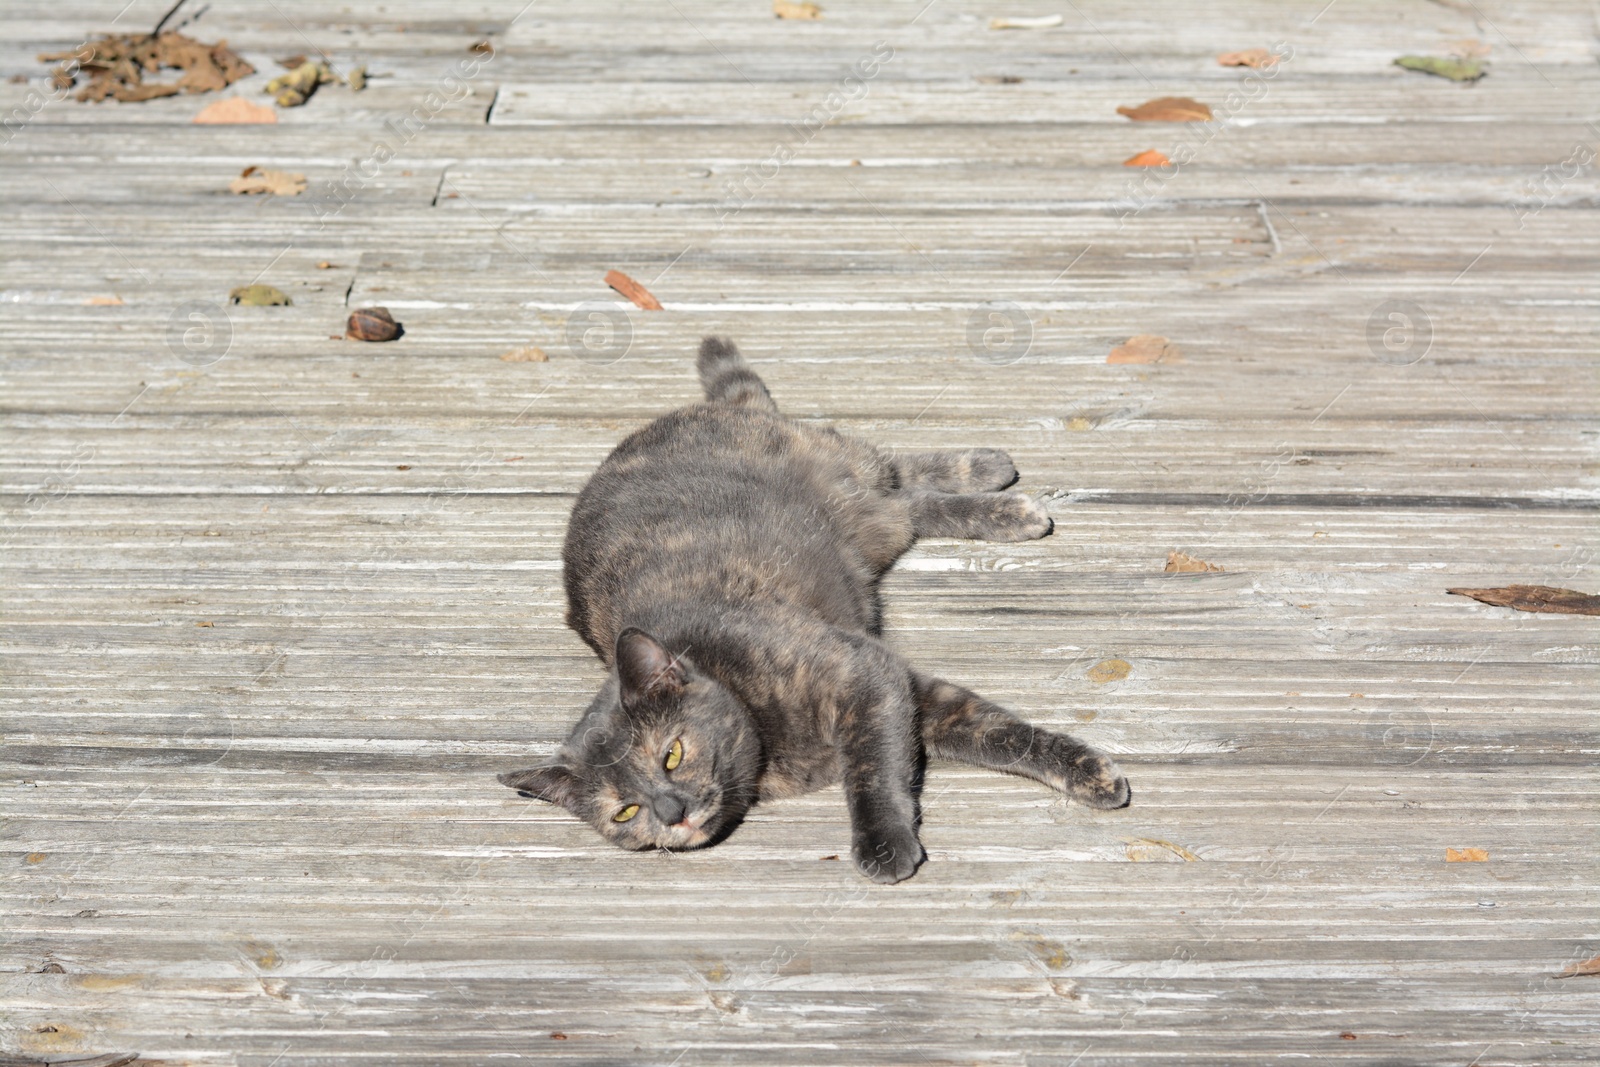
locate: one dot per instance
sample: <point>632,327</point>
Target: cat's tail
<point>728,379</point>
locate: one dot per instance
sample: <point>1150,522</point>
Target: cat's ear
<point>556,784</point>
<point>646,668</point>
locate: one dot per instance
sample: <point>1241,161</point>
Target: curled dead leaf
<point>235,110</point>
<point>631,289</point>
<point>785,9</point>
<point>1540,598</point>
<point>372,324</point>
<point>1255,58</point>
<point>1148,158</point>
<point>295,88</point>
<point>271,182</point>
<point>1465,855</point>
<point>1145,348</point>
<point>1181,563</point>
<point>1168,109</point>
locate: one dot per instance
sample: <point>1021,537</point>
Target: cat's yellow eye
<point>674,756</point>
<point>626,813</point>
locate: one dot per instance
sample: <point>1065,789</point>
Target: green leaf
<point>1457,70</point>
<point>258,296</point>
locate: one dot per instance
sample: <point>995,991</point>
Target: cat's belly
<point>791,777</point>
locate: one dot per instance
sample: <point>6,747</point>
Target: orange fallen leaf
<point>1543,598</point>
<point>784,9</point>
<point>1255,58</point>
<point>235,109</point>
<point>104,301</point>
<point>206,624</point>
<point>632,290</point>
<point>1168,109</point>
<point>1465,855</point>
<point>1181,563</point>
<point>34,857</point>
<point>1145,348</point>
<point>1590,966</point>
<point>1150,158</point>
<point>530,354</point>
<point>275,182</point>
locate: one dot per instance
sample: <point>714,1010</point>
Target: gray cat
<point>723,563</point>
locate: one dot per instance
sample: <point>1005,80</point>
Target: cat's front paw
<point>1098,782</point>
<point>887,856</point>
<point>1019,517</point>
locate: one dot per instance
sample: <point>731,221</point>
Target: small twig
<point>171,11</point>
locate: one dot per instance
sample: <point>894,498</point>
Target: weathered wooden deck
<point>277,606</point>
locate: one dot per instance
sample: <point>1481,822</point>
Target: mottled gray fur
<point>723,563</point>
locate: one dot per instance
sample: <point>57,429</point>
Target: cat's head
<point>666,757</point>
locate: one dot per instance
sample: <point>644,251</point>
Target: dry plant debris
<point>1145,348</point>
<point>235,110</point>
<point>784,9</point>
<point>1041,22</point>
<point>1168,109</point>
<point>528,354</point>
<point>1255,58</point>
<point>258,296</point>
<point>272,182</point>
<point>1457,69</point>
<point>116,66</point>
<point>1153,849</point>
<point>1182,563</point>
<point>295,88</point>
<point>1465,855</point>
<point>372,324</point>
<point>1541,598</point>
<point>632,290</point>
<point>1577,970</point>
<point>1149,158</point>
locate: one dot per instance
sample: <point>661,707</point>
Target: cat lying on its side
<point>723,562</point>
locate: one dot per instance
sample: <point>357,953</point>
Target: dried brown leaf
<point>1541,598</point>
<point>235,109</point>
<point>632,290</point>
<point>1168,109</point>
<point>1255,58</point>
<point>1180,563</point>
<point>1145,348</point>
<point>272,182</point>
